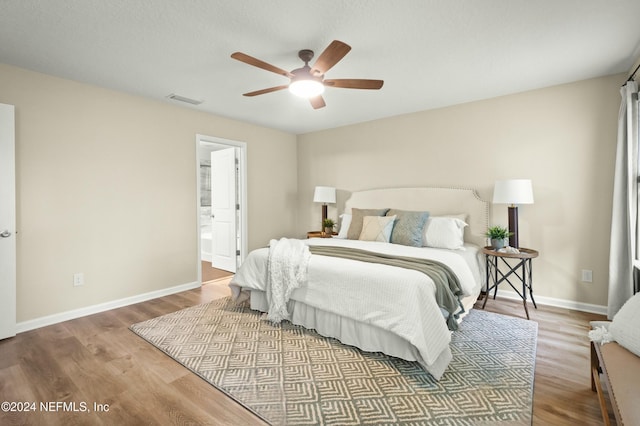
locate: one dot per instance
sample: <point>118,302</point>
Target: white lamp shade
<point>513,191</point>
<point>324,194</point>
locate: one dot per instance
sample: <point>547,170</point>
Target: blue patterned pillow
<point>409,227</point>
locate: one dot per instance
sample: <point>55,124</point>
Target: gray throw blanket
<point>448,289</point>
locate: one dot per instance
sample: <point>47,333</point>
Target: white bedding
<point>397,300</point>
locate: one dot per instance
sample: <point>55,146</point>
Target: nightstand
<point>518,267</point>
<point>318,234</point>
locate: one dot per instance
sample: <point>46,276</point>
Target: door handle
<point>5,234</point>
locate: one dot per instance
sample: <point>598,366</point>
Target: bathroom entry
<point>221,195</point>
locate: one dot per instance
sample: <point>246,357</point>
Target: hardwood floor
<point>96,359</point>
<point>562,387</point>
<point>209,273</point>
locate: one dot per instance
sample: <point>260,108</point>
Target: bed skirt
<point>364,336</point>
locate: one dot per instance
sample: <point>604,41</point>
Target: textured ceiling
<point>430,53</point>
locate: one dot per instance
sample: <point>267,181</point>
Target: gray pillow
<point>408,228</point>
<point>355,228</point>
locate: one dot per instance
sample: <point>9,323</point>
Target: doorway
<point>221,206</point>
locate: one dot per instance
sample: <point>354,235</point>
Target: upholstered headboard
<point>437,201</point>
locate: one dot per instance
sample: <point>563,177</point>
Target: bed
<point>380,307</point>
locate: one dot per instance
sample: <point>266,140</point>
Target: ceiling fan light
<point>306,88</point>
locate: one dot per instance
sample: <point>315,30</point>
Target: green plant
<point>328,223</point>
<point>498,232</point>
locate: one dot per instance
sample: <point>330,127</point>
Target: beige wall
<point>106,185</point>
<point>106,181</point>
<point>563,138</point>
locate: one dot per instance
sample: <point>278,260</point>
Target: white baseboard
<point>23,326</point>
<point>559,303</point>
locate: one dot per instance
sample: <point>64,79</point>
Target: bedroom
<point>86,185</point>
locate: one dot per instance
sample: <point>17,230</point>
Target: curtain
<point>624,220</point>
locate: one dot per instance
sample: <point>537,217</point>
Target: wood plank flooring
<point>562,388</point>
<point>209,273</point>
<point>96,359</point>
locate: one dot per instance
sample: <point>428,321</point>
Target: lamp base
<point>513,226</point>
<point>324,216</point>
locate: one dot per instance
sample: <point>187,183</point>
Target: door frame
<point>242,227</point>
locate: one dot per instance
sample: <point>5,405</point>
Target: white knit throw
<point>287,270</point>
<point>600,335</point>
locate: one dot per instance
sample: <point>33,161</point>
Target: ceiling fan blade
<point>260,64</point>
<point>354,83</point>
<point>317,102</point>
<point>331,56</point>
<point>268,90</point>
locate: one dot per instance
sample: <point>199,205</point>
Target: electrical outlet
<point>78,279</point>
<point>587,276</point>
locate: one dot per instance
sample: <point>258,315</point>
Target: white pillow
<point>344,225</point>
<point>444,232</point>
<point>625,327</point>
<point>377,228</point>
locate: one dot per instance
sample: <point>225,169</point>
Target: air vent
<point>179,98</point>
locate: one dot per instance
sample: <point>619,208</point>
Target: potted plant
<point>498,234</point>
<point>327,226</point>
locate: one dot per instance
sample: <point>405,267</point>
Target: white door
<point>223,209</point>
<point>7,222</point>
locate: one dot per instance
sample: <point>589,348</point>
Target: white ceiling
<point>430,53</point>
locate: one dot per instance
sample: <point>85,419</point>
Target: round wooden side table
<point>521,269</point>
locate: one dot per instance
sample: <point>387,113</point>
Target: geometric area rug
<point>288,375</point>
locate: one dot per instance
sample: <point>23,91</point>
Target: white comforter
<point>394,299</point>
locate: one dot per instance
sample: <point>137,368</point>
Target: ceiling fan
<point>309,82</point>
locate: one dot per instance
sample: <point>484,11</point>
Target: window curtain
<point>624,221</point>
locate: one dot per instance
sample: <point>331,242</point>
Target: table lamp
<point>512,192</point>
<point>324,195</point>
